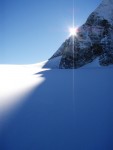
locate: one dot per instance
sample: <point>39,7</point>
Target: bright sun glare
<point>73,31</point>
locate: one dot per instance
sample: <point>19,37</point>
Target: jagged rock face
<point>94,39</point>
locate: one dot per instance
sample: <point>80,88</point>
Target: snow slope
<point>106,5</point>
<point>41,109</point>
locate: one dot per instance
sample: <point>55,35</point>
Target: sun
<point>73,31</point>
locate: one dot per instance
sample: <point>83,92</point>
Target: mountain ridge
<point>94,40</point>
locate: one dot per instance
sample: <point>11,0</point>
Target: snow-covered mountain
<point>94,40</point>
<point>62,109</point>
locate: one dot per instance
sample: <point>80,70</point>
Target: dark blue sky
<point>32,30</point>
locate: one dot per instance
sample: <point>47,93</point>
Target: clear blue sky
<point>32,30</point>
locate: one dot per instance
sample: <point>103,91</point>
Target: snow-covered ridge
<point>105,10</point>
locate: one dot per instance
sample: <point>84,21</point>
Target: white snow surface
<point>53,63</point>
<point>105,10</point>
<point>58,109</point>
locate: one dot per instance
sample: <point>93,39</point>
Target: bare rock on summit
<point>94,40</point>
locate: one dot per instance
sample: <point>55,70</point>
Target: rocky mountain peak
<point>94,40</point>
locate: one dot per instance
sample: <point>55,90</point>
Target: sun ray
<point>73,30</point>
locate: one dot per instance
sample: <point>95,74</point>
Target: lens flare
<point>73,31</point>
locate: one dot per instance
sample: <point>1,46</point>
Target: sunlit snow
<point>37,109</point>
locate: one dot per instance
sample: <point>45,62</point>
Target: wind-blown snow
<point>39,110</point>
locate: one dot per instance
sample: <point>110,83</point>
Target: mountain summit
<point>94,40</point>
